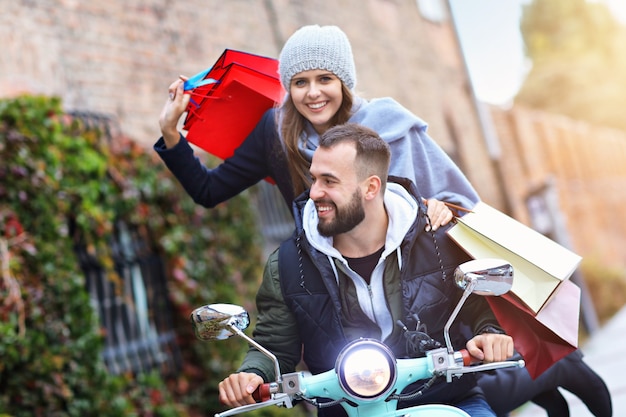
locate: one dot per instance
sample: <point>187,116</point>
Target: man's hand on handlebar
<point>490,347</point>
<point>236,389</point>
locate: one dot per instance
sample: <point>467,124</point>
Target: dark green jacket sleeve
<point>276,328</point>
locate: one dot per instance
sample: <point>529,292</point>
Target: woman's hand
<point>173,109</point>
<point>438,213</point>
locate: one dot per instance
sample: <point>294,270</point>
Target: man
<point>358,262</point>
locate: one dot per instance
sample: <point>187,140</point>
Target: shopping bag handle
<point>452,207</point>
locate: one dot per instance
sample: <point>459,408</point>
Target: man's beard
<point>346,218</point>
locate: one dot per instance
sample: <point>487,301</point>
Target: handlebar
<point>262,392</point>
<point>467,358</point>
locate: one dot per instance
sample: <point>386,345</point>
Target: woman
<point>317,70</point>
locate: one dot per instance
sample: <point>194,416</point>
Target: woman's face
<point>317,95</point>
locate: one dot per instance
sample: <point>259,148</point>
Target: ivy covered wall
<point>62,184</point>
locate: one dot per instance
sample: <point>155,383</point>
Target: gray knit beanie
<point>317,47</point>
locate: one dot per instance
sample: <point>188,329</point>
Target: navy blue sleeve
<point>258,157</point>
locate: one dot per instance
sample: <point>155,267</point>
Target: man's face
<point>346,217</point>
<point>335,190</point>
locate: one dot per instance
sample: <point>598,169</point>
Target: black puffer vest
<point>310,290</point>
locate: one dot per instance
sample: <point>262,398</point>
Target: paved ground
<point>605,352</point>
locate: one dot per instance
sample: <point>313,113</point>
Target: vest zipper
<point>371,295</point>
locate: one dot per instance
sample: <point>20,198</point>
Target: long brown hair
<point>291,129</point>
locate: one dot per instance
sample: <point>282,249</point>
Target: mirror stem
<point>266,352</point>
<point>472,281</point>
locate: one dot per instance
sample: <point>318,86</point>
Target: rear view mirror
<point>216,321</point>
<point>488,276</point>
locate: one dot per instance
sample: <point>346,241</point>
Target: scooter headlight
<point>366,369</point>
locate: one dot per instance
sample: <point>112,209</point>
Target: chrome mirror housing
<point>490,277</point>
<point>221,321</point>
<point>216,321</point>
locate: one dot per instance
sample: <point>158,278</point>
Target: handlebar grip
<point>262,393</point>
<point>467,358</point>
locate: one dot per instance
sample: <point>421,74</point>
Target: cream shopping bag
<point>540,264</point>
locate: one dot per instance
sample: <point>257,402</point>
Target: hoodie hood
<point>414,154</point>
<point>383,115</point>
<point>401,208</point>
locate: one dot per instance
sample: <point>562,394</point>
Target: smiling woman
<point>317,70</point>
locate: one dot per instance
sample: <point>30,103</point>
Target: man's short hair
<point>372,152</point>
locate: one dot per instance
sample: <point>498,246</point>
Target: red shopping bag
<point>228,100</point>
<point>546,337</point>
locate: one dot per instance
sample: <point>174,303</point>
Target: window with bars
<point>133,308</point>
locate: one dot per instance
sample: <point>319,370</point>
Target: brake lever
<point>279,399</point>
<point>451,372</point>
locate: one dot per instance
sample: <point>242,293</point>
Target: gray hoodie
<point>402,210</point>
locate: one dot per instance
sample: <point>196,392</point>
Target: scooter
<point>367,380</point>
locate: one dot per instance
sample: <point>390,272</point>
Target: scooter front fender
<point>427,410</point>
